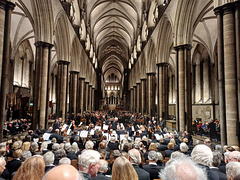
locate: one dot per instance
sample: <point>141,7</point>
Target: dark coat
<point>153,170</point>
<point>13,165</point>
<point>113,146</point>
<point>221,175</point>
<point>212,175</point>
<point>100,176</point>
<point>142,174</point>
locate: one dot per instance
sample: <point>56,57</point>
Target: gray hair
<point>152,156</point>
<point>88,157</point>
<point>34,146</point>
<point>202,154</point>
<point>116,153</point>
<point>25,155</point>
<point>217,158</point>
<point>60,153</point>
<point>44,145</point>
<point>112,139</point>
<point>232,169</point>
<point>176,154</point>
<point>135,156</point>
<point>68,147</point>
<point>89,145</point>
<point>184,147</point>
<point>103,165</point>
<point>64,160</point>
<point>75,147</point>
<point>226,155</point>
<point>219,148</point>
<point>182,168</point>
<point>55,146</point>
<point>54,140</point>
<point>159,156</point>
<point>48,158</point>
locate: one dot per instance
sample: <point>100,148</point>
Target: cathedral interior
<point>172,59</point>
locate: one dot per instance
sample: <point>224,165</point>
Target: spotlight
<point>164,3</point>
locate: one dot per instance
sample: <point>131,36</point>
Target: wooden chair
<point>147,161</point>
<point>74,163</point>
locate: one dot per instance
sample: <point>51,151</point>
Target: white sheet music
<point>46,136</point>
<point>84,134</point>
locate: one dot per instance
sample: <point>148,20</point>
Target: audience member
<point>123,170</point>
<point>63,172</point>
<point>182,168</point>
<point>88,163</point>
<point>103,168</point>
<point>233,170</point>
<point>135,159</point>
<point>31,169</point>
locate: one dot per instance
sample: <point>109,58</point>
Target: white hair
<point>184,147</point>
<point>232,169</point>
<point>25,155</point>
<point>87,158</point>
<point>64,160</point>
<point>89,145</point>
<point>68,147</point>
<point>112,139</point>
<point>103,165</point>
<point>176,154</point>
<point>48,158</point>
<point>182,168</point>
<point>75,147</point>
<point>159,156</point>
<point>1,161</point>
<point>55,146</point>
<point>152,156</point>
<point>135,156</point>
<point>202,154</point>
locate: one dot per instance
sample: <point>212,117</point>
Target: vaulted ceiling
<point>113,26</point>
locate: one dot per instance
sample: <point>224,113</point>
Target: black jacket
<point>153,170</point>
<point>142,174</point>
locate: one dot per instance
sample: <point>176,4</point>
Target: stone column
<point>131,97</point>
<point>221,86</point>
<point>62,88</point>
<point>90,98</point>
<point>6,9</point>
<point>160,90</point>
<point>86,96</point>
<point>165,90</point>
<point>93,99</point>
<point>134,98</point>
<point>237,37</point>
<point>41,84</point>
<point>143,96</point>
<point>184,103</point>
<point>151,93</point>
<point>138,98</point>
<point>81,91</point>
<point>230,74</point>
<point>73,92</point>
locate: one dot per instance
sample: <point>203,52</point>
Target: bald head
<point>63,172</point>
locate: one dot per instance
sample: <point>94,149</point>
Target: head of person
<point>182,168</point>
<point>89,145</point>
<point>48,158</point>
<point>232,170</point>
<point>152,156</point>
<point>202,154</point>
<point>26,146</point>
<point>65,161</point>
<point>184,147</point>
<point>234,156</point>
<point>63,172</point>
<point>170,146</point>
<point>2,165</point>
<point>103,166</point>
<point>88,162</point>
<point>32,168</point>
<point>152,147</point>
<point>217,158</point>
<point>25,155</point>
<point>122,169</point>
<point>134,156</point>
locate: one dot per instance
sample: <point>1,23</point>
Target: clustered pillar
<point>6,9</point>
<point>184,90</point>
<point>62,88</point>
<point>228,62</point>
<point>151,81</point>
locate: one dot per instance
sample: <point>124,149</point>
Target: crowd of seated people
<point>131,152</point>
